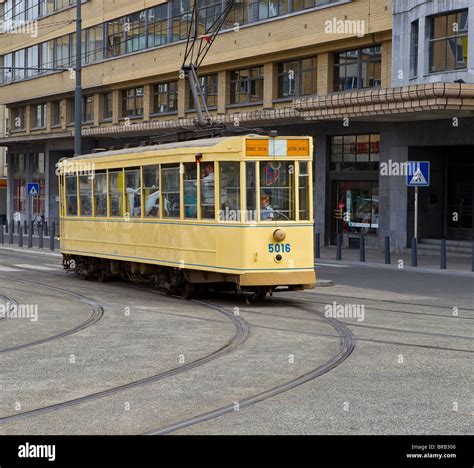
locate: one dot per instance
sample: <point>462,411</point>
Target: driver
<point>266,211</point>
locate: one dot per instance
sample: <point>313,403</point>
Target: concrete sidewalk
<point>376,258</point>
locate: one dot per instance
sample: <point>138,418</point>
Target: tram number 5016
<point>279,248</point>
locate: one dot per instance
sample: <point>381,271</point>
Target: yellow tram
<point>222,213</point>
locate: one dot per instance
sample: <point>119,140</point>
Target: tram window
<point>100,194</point>
<point>71,195</point>
<point>190,190</point>
<point>85,192</point>
<point>207,191</point>
<point>133,193</point>
<point>151,190</point>
<point>229,179</point>
<point>277,191</point>
<point>115,193</point>
<point>251,189</point>
<point>171,191</point>
<point>303,183</point>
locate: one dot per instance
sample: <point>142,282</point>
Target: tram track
<point>241,334</point>
<point>8,300</point>
<point>346,347</point>
<point>96,315</point>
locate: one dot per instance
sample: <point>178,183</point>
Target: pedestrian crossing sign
<point>418,174</point>
<point>33,190</point>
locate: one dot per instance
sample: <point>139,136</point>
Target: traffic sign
<point>418,174</point>
<point>33,190</point>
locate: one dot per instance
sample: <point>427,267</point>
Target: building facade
<point>334,69</point>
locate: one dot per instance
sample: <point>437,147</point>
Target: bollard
<point>30,235</point>
<point>2,239</point>
<point>414,253</point>
<point>10,233</point>
<point>20,236</point>
<point>317,245</point>
<point>388,260</point>
<point>362,247</point>
<point>25,227</point>
<point>52,230</point>
<point>40,238</point>
<point>46,229</point>
<point>6,226</point>
<point>442,262</point>
<point>18,225</point>
<point>339,247</point>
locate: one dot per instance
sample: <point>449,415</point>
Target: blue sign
<point>418,173</point>
<point>33,190</point>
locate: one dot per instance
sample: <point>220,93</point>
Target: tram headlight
<point>279,235</point>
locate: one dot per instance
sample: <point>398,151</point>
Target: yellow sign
<point>256,147</point>
<point>298,147</point>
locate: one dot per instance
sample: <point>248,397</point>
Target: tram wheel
<point>188,291</point>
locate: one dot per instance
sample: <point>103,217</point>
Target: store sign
<point>276,148</point>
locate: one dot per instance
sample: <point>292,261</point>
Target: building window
<point>449,42</point>
<point>17,120</point>
<point>62,57</point>
<point>39,115</point>
<point>355,152</point>
<point>360,201</point>
<point>33,61</point>
<point>71,113</point>
<point>241,13</point>
<point>358,69</point>
<point>107,105</point>
<point>181,18</point>
<point>297,78</point>
<point>47,56</point>
<point>415,30</point>
<point>94,44</point>
<point>135,38</point>
<point>38,202</point>
<point>270,9</point>
<point>209,11</point>
<point>38,164</point>
<point>209,87</point>
<point>56,113</point>
<point>19,70</point>
<point>7,73</point>
<point>246,85</point>
<point>19,195</point>
<point>132,102</point>
<point>88,109</point>
<point>116,37</point>
<point>165,97</point>
<point>158,25</point>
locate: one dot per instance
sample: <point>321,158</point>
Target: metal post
<point>388,260</point>
<point>339,247</point>
<point>25,227</point>
<point>10,232</point>
<point>46,229</point>
<point>18,225</point>
<point>2,239</point>
<point>414,253</point>
<point>362,247</point>
<point>40,236</point>
<point>51,236</point>
<point>317,245</point>
<point>20,236</point>
<point>78,95</point>
<point>442,263</point>
<point>30,236</point>
<point>416,212</point>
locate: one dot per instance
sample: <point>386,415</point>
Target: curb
<point>27,251</point>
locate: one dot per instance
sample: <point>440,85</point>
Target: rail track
<point>346,347</point>
<point>97,312</point>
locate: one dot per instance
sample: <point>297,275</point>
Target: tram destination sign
<point>274,147</point>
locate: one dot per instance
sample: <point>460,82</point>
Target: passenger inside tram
<point>266,210</point>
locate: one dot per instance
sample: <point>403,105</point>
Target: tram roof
<point>205,142</point>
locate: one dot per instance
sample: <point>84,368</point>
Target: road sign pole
<point>416,212</point>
